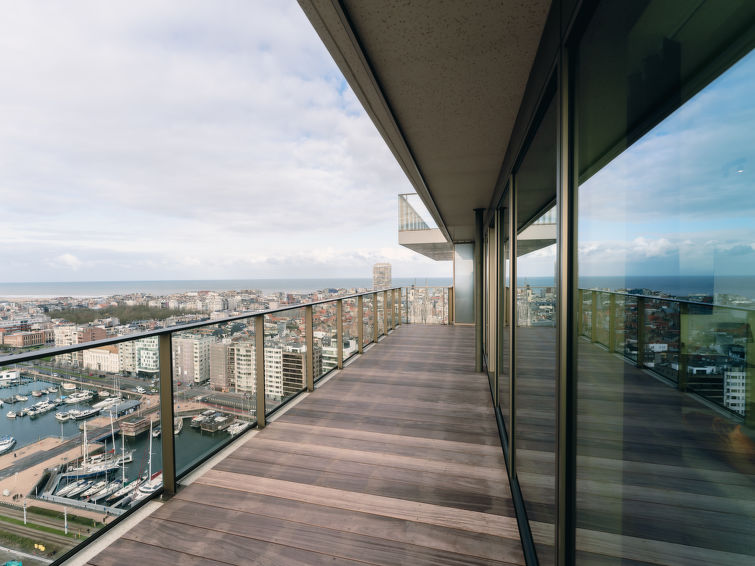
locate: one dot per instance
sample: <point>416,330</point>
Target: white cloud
<point>69,261</point>
<point>168,139</point>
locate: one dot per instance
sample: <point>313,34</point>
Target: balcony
<point>417,234</point>
<point>396,459</point>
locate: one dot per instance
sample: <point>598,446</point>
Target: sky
<point>681,200</point>
<point>187,140</point>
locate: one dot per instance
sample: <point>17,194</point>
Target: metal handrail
<point>55,351</point>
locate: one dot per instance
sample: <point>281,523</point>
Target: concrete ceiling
<point>443,81</point>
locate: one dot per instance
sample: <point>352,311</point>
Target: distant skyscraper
<point>381,276</point>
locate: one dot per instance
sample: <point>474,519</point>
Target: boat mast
<point>86,446</point>
<point>149,460</point>
<point>123,459</point>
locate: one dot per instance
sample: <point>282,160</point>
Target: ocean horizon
<point>681,286</point>
<point>80,289</point>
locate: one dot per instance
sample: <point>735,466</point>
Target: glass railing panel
<point>661,337</point>
<point>286,355</point>
<point>350,328</point>
<point>324,328</point>
<point>427,305</point>
<point>65,449</point>
<point>631,319</point>
<point>213,389</point>
<point>380,318</point>
<point>618,323</point>
<point>586,313</point>
<point>602,318</point>
<point>368,319</point>
<point>714,359</point>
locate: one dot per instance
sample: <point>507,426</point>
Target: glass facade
<point>665,230</point>
<point>535,345</point>
<point>627,400</point>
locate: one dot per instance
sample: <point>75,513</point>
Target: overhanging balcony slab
<point>430,243</point>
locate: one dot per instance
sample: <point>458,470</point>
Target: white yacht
<point>6,444</point>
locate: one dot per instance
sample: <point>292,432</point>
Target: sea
<point>674,285</point>
<point>168,287</point>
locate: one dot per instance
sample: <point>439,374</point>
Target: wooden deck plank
<point>402,530</point>
<point>396,460</point>
<point>314,538</point>
<point>504,526</point>
<point>263,444</point>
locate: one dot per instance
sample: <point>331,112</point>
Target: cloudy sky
<point>196,140</point>
<point>681,200</point>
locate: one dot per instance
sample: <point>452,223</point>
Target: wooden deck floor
<point>396,460</point>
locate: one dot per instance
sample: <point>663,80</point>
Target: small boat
<point>6,444</point>
<point>178,425</point>
<point>127,488</point>
<point>82,414</point>
<point>69,488</point>
<point>69,387</point>
<point>36,393</point>
<point>125,501</point>
<point>197,421</point>
<point>149,487</point>
<point>97,486</point>
<point>110,488</point>
<point>80,488</point>
<point>104,393</point>
<point>156,432</point>
<point>62,416</point>
<point>79,397</point>
<point>238,427</point>
<point>21,398</point>
<point>11,414</point>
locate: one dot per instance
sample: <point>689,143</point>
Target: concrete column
<point>478,274</point>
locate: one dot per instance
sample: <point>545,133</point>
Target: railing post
<point>594,317</point>
<point>393,309</point>
<point>398,323</point>
<point>309,336</point>
<point>640,332</point>
<point>385,313</point>
<point>360,331</point>
<point>683,339</point>
<point>580,312</point>
<point>165,350</point>
<point>451,306</point>
<point>339,333</point>
<point>259,368</point>
<point>612,323</point>
<point>375,329</point>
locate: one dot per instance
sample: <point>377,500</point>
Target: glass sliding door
<point>504,314</point>
<point>535,347</point>
<point>666,261</point>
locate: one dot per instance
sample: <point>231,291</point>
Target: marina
<point>77,451</point>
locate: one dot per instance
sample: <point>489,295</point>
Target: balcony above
<point>417,234</point>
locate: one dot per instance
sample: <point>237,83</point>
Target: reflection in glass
<point>535,348</point>
<point>666,444</point>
